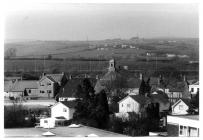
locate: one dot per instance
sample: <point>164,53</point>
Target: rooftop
<point>191,117</point>
<point>23,84</point>
<point>60,132</point>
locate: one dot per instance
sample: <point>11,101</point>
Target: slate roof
<point>24,84</point>
<point>55,77</point>
<point>69,104</point>
<point>69,89</point>
<point>186,101</point>
<point>160,97</point>
<point>140,99</point>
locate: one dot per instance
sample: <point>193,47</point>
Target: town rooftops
<point>24,84</point>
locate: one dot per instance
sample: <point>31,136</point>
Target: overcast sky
<point>101,21</point>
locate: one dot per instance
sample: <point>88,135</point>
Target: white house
<point>194,88</point>
<point>63,109</point>
<point>180,107</point>
<point>133,103</point>
<point>183,126</point>
<point>60,112</point>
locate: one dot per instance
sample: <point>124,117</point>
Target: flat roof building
<point>183,125</point>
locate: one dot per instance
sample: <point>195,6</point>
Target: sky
<point>100,21</point>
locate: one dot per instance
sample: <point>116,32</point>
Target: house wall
<point>195,89</point>
<point>47,123</point>
<point>66,98</point>
<point>15,94</point>
<point>173,130</point>
<point>59,110</point>
<point>129,105</point>
<point>177,126</point>
<point>32,91</point>
<point>46,88</point>
<point>180,109</point>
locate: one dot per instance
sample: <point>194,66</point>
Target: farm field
<point>81,56</point>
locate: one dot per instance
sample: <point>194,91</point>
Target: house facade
<point>63,109</point>
<point>183,126</point>
<point>180,107</point>
<point>46,87</point>
<point>22,88</point>
<point>194,88</point>
<point>133,103</point>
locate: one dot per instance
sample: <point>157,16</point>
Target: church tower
<point>112,65</point>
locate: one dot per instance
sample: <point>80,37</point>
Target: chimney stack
<point>125,67</point>
<point>70,77</point>
<point>97,77</point>
<point>184,78</point>
<point>141,76</point>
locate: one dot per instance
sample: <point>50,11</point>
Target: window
<point>48,84</point>
<point>197,89</point>
<point>181,130</point>
<point>41,91</point>
<point>48,91</point>
<point>122,105</point>
<point>180,107</point>
<point>45,121</point>
<point>128,105</point>
<point>29,91</point>
<point>192,89</point>
<point>64,110</point>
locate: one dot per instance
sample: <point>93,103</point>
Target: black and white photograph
<point>101,70</point>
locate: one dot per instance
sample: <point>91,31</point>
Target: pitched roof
<point>69,89</point>
<point>186,101</point>
<point>138,98</point>
<point>70,104</point>
<point>133,82</point>
<point>24,84</point>
<point>160,97</point>
<point>55,77</point>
